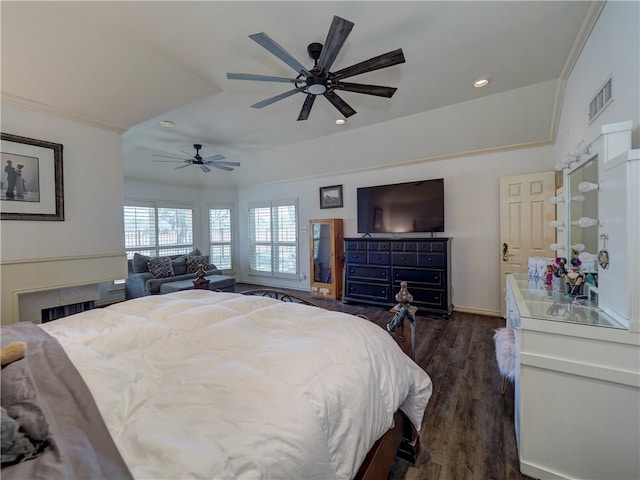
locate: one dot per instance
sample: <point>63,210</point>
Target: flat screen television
<point>402,207</point>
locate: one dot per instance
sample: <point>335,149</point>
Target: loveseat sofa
<point>143,280</point>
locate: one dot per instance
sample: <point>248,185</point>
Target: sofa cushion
<point>194,260</point>
<point>161,267</point>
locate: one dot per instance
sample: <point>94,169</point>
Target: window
<point>273,239</point>
<point>155,229</point>
<point>221,236</point>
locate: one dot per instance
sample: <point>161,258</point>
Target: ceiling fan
<point>203,163</point>
<point>319,80</point>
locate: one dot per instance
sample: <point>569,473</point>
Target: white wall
<point>613,49</point>
<point>88,246</point>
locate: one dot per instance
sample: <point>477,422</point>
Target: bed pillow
<point>194,260</point>
<point>161,267</point>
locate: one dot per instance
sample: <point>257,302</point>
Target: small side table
<point>201,283</point>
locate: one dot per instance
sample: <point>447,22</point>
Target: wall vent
<point>600,101</point>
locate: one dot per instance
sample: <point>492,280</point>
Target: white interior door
<point>525,217</point>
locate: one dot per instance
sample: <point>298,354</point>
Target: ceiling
<point>126,66</point>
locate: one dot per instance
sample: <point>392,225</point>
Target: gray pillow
<point>139,263</point>
<point>179,265</point>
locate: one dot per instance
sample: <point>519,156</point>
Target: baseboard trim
<point>477,311</point>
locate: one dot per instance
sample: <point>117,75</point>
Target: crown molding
<point>57,112</point>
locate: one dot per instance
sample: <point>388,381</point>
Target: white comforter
<point>198,384</point>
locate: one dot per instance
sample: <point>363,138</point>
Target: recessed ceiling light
<point>341,121</point>
<point>483,82</point>
<point>167,123</point>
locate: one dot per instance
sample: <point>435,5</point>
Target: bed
<point>201,384</point>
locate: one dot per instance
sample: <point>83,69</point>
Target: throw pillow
<point>194,261</point>
<point>160,267</point>
<point>179,264</point>
<point>139,263</point>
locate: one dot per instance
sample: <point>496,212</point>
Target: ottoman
<point>221,283</point>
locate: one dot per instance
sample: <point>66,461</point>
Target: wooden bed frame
<point>402,439</point>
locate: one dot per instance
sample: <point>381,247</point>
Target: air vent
<point>600,101</point>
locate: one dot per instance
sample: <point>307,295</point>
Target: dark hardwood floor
<point>468,430</point>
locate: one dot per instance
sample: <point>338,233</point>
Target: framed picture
<point>31,179</point>
<point>331,197</point>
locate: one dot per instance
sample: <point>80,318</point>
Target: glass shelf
<point>542,302</point>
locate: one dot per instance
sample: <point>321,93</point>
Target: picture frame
<point>31,186</point>
<point>331,196</point>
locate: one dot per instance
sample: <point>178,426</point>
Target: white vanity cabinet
<point>577,386</point>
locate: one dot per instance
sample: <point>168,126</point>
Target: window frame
<point>273,243</point>
<point>231,243</point>
<point>156,249</point>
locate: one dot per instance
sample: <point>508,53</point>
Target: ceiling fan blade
<point>378,90</point>
<point>168,156</point>
<point>260,78</point>
<point>338,33</point>
<point>233,164</point>
<point>222,167</point>
<point>264,40</point>
<point>213,157</point>
<point>187,153</point>
<point>205,168</point>
<point>376,63</point>
<point>182,166</point>
<point>271,100</point>
<point>306,107</point>
<point>342,106</point>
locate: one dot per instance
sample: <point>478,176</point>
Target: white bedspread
<point>198,384</point>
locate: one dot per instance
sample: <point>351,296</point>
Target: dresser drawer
<point>368,291</point>
<point>356,257</point>
<point>425,278</point>
<point>434,260</point>
<point>404,259</point>
<point>429,298</point>
<point>365,272</point>
<point>378,258</point>
<point>403,246</point>
<point>355,245</point>
<point>382,246</point>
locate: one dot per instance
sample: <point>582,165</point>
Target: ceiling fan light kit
<point>319,80</point>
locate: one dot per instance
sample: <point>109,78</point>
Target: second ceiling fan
<point>216,161</point>
<point>319,80</point>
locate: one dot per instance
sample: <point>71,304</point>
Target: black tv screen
<point>402,207</point>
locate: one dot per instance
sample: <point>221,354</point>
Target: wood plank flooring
<point>468,430</point>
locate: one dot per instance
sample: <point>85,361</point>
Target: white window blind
<point>273,238</point>
<point>221,236</point>
<point>158,229</point>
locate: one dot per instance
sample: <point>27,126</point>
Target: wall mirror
<point>582,211</point>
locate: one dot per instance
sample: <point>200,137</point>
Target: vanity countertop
<point>537,300</point>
